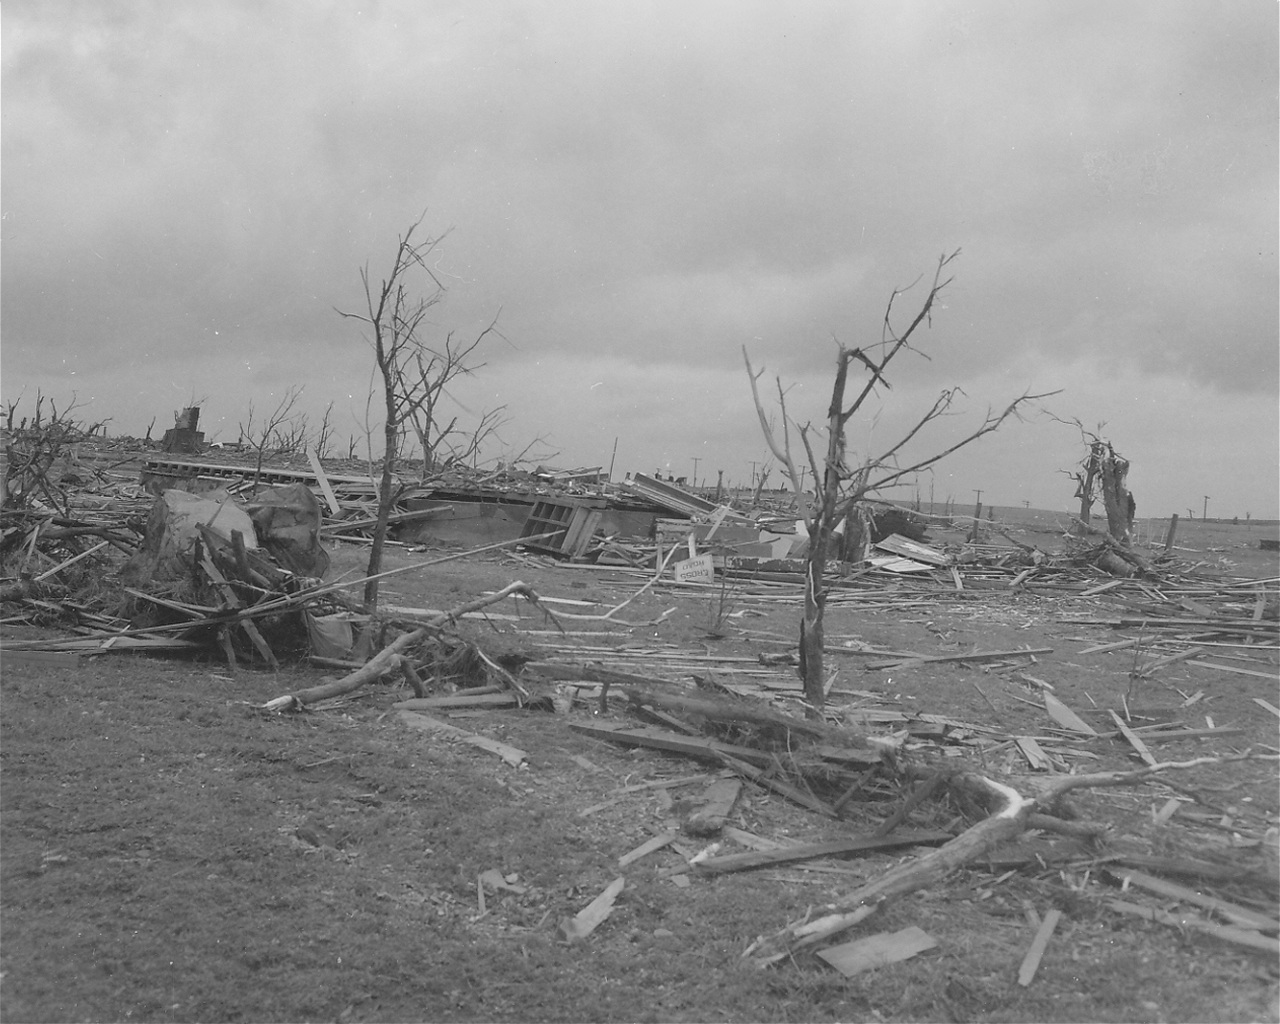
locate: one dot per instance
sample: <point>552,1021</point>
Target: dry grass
<point>172,853</point>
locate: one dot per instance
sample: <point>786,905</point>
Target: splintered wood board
<point>1239,916</point>
<point>861,955</point>
<point>416,720</point>
<point>1067,718</point>
<point>1031,962</point>
<point>718,801</point>
<point>812,851</point>
<point>673,742</point>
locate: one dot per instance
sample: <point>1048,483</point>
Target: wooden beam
<point>812,851</point>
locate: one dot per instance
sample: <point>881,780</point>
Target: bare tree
<point>1104,471</point>
<point>414,375</point>
<point>268,431</point>
<point>324,434</point>
<point>841,482</point>
<point>40,453</point>
<point>425,388</point>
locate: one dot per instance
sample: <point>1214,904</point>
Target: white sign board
<point>695,570</point>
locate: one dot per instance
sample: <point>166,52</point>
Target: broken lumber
<point>514,756</point>
<point>812,851</point>
<point>646,848</point>
<point>874,951</point>
<point>458,700</point>
<point>590,917</point>
<point>1234,914</point>
<point>741,711</point>
<point>1031,962</point>
<point>717,805</point>
<point>1238,936</point>
<point>975,656</point>
<point>658,739</point>
<point>1067,718</point>
<point>1133,739</point>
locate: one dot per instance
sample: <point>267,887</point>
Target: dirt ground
<point>172,852</point>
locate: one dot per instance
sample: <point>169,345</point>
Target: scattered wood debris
<point>244,578</point>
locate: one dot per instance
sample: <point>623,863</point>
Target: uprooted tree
<point>841,480</point>
<point>414,374</point>
<point>1104,473</point>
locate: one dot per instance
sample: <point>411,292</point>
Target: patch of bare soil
<point>171,851</point>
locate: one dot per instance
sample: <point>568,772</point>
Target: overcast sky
<point>190,189</point>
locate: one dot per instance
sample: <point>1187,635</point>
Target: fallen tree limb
<point>391,656</point>
<point>1009,818</point>
<point>381,663</point>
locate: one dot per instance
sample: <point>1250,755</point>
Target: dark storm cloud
<point>190,189</point>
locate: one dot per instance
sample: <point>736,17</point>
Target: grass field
<point>170,851</point>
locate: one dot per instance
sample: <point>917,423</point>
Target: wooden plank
<point>1238,936</point>
<point>1159,736</point>
<point>248,625</point>
<point>1132,737</point>
<point>323,480</point>
<point>850,958</point>
<point>589,917</point>
<point>1100,589</point>
<point>1119,645</point>
<point>1067,718</point>
<point>1187,868</point>
<point>707,750</point>
<point>1036,757</point>
<point>1236,915</point>
<point>1269,706</point>
<point>74,558</point>
<point>416,720</point>
<point>644,849</point>
<point>975,656</point>
<point>477,700</point>
<point>812,851</point>
<point>718,801</point>
<point>1273,676</point>
<point>1031,962</point>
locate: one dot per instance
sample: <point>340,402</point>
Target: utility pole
<point>1205,514</point>
<point>696,460</point>
<point>612,457</point>
<point>753,471</point>
<point>977,518</point>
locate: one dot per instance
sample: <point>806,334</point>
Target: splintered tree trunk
<point>1119,504</point>
<point>811,631</point>
<point>384,500</point>
<point>820,537</point>
<point>1085,493</point>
